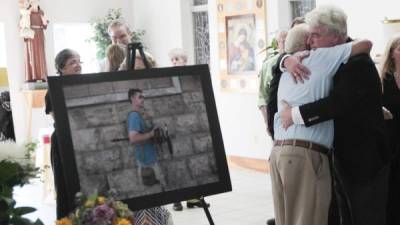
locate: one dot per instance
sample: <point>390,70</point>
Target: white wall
<point>167,25</point>
<point>57,11</point>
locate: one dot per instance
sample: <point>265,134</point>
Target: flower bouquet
<point>98,210</point>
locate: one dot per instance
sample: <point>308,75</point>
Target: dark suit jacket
<point>354,103</point>
<point>272,104</point>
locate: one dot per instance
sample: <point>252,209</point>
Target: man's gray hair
<point>329,16</point>
<point>118,23</point>
<point>296,39</point>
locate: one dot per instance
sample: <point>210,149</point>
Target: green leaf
<point>38,222</point>
<point>20,221</point>
<point>93,197</point>
<point>23,210</point>
<point>9,201</point>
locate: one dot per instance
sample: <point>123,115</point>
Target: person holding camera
<point>141,136</point>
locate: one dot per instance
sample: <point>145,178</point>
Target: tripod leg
<point>204,205</point>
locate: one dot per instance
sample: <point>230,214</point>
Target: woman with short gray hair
<point>67,62</point>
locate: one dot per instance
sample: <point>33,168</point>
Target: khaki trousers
<point>301,186</point>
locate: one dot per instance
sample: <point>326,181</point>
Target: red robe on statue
<point>35,58</point>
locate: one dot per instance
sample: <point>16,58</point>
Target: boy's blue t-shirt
<point>136,123</point>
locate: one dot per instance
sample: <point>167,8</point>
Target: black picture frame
<point>66,95</point>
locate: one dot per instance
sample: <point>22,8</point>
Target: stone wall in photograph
<point>97,115</point>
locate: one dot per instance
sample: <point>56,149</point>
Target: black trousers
<point>358,203</point>
<point>59,179</point>
<point>393,217</point>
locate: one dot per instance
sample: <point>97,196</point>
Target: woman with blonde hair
<point>115,55</point>
<point>139,64</point>
<point>390,75</point>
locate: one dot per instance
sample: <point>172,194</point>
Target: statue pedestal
<point>34,94</point>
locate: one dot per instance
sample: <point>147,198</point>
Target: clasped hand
<point>293,65</point>
<point>286,115</point>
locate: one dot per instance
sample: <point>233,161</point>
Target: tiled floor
<point>250,202</point>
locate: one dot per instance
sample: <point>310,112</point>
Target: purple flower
<point>103,213</point>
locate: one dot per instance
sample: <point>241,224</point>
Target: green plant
<point>101,38</point>
<point>16,168</point>
<point>10,215</point>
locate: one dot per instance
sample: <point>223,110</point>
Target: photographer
<point>141,136</point>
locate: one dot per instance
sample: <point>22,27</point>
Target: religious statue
<point>32,25</point>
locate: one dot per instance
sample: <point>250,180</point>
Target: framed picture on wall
<point>242,36</point>
<point>97,114</point>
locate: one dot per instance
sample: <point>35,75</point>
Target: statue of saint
<point>32,26</point>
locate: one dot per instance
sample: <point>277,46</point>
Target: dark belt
<point>305,144</point>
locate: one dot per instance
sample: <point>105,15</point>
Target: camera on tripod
<point>131,55</point>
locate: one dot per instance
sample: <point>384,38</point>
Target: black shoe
<point>196,204</point>
<point>271,222</point>
<point>177,206</point>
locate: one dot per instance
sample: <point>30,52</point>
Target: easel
<point>206,211</point>
<point>131,55</point>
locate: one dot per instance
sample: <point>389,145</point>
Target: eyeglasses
<point>74,62</point>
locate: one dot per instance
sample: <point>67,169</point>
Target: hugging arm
<point>353,85</point>
<point>360,46</point>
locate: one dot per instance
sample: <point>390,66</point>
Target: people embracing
<point>299,159</point>
<point>337,109</point>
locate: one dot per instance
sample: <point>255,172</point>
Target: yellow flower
<point>89,204</point>
<point>101,200</point>
<point>122,222</point>
<point>64,221</point>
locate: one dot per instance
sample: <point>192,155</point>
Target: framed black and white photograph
<point>180,152</point>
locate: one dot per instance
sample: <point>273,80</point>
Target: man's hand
<point>387,115</point>
<point>293,65</point>
<point>152,132</point>
<point>286,115</point>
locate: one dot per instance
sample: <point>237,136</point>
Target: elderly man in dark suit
<point>360,153</point>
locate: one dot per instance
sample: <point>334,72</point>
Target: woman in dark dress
<point>390,75</point>
<point>67,62</point>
